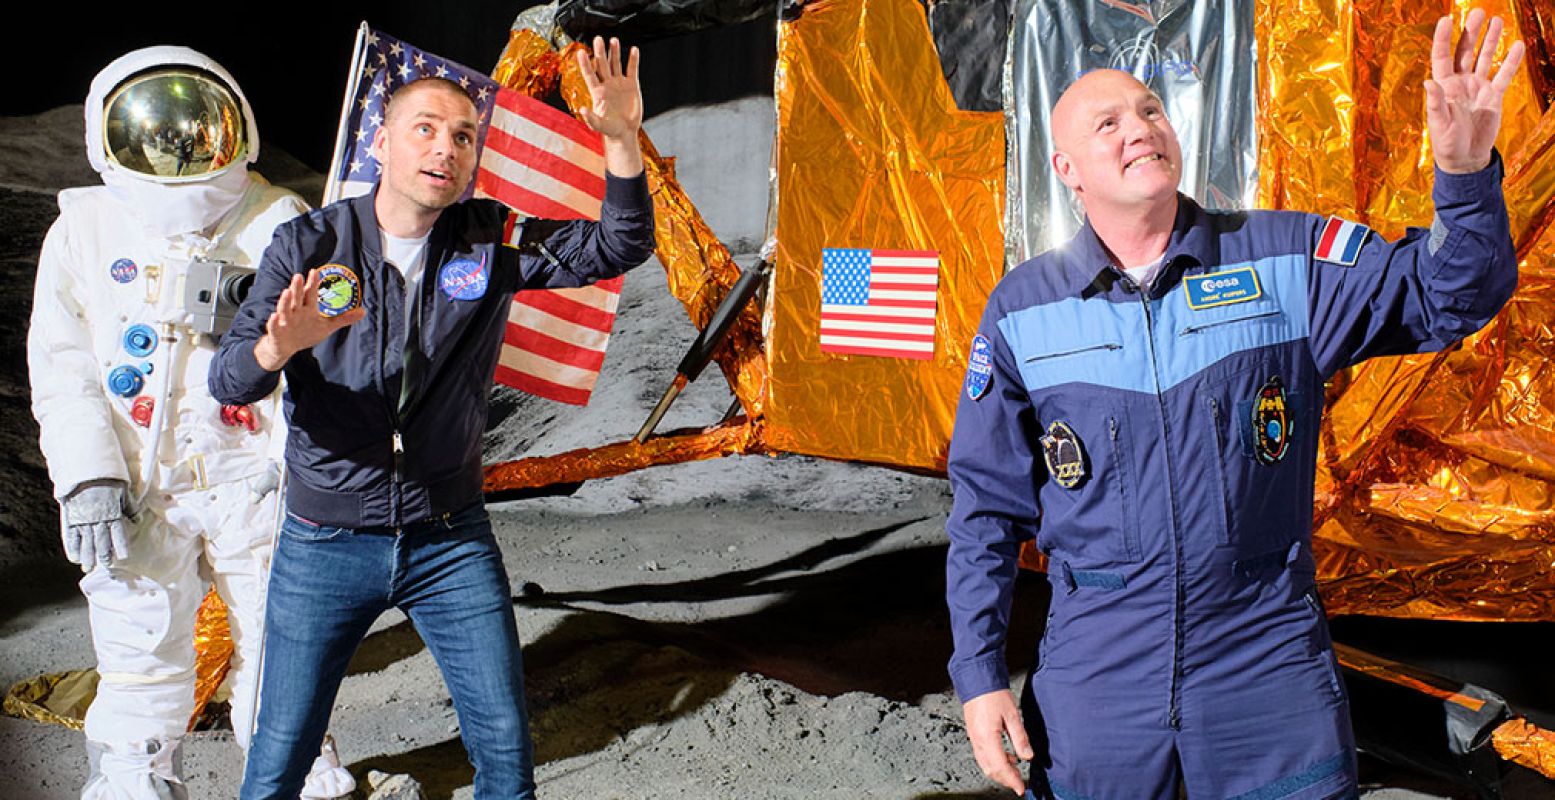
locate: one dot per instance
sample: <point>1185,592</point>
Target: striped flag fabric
<point>879,302</point>
<point>1341,240</point>
<point>537,160</point>
<point>540,161</point>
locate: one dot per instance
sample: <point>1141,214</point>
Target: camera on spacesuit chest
<point>213,290</point>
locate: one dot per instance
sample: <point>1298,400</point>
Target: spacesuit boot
<point>146,770</point>
<point>327,780</point>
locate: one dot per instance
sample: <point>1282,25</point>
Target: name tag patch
<point>1222,288</point>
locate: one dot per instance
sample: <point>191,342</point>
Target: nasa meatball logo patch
<point>463,279</point>
<point>1064,454</point>
<point>979,368</point>
<point>122,270</point>
<point>1271,422</point>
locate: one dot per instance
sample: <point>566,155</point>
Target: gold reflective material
<point>738,438</point>
<point>173,124</point>
<point>700,272</point>
<point>1435,492</point>
<point>212,651</point>
<point>1525,743</point>
<point>873,153</point>
<point>528,65</point>
<point>60,698</point>
<point>1536,18</point>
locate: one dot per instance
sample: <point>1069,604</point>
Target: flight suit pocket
<point>1090,495</point>
<point>1261,498</point>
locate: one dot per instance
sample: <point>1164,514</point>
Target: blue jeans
<point>328,584</point>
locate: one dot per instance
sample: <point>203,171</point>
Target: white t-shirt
<point>1144,273</point>
<point>409,256</point>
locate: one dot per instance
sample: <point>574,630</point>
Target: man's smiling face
<point>1113,144</point>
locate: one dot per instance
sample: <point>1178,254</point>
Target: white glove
<point>94,524</point>
<point>260,486</point>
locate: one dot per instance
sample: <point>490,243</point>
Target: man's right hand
<point>989,718</point>
<point>94,524</point>
<point>296,323</point>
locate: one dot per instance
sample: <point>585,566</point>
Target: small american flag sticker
<point>878,302</point>
<point>1340,242</point>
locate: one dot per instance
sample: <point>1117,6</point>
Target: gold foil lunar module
<point>1436,475</point>
<point>1434,490</point>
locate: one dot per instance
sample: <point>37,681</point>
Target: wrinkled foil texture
<point>1436,477</point>
<point>1520,741</point>
<point>700,271</point>
<point>1198,56</point>
<point>873,153</point>
<point>212,651</point>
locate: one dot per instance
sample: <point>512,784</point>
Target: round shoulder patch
<point>122,270</point>
<point>463,279</point>
<point>979,367</point>
<point>339,290</point>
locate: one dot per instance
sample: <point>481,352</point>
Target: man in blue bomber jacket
<point>388,376</point>
<point>1144,401</point>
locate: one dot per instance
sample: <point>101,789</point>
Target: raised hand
<point>296,324</point>
<point>1462,100</point>
<point>616,104</point>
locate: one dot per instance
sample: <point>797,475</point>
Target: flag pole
<point>358,56</point>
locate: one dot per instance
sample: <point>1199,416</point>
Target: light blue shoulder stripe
<point>1093,341</point>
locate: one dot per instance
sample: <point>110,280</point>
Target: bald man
<point>1145,401</point>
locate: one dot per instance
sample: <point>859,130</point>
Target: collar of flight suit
<point>1088,268</point>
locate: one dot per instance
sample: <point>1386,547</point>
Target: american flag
<point>538,161</point>
<point>878,302</point>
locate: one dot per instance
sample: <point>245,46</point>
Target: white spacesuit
<point>163,490</point>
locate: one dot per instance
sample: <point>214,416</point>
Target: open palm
<point>616,103</point>
<point>1462,100</point>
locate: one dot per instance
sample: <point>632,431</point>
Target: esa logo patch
<point>1064,454</point>
<point>979,368</point>
<point>1222,288</point>
<point>463,279</point>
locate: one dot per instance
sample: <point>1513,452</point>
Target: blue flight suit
<point>1161,448</point>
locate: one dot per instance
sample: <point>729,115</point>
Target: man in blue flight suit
<point>386,313</point>
<point>1144,401</point>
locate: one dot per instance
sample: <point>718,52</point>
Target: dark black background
<point>291,58</point>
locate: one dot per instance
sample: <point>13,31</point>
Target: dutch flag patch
<point>1341,241</point>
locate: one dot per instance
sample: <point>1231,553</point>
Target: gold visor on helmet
<point>174,124</point>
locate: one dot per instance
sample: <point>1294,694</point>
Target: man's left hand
<point>615,107</point>
<point>1462,100</point>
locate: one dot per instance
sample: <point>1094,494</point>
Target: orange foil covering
<point>873,153</point>
<point>700,272</point>
<point>1522,742</point>
<point>1436,478</point>
<point>212,651</point>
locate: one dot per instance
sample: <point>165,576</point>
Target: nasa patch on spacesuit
<point>1064,454</point>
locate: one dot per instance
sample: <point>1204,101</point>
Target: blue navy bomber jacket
<point>354,456</point>
<point>1160,553</point>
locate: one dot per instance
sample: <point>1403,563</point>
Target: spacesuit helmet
<point>174,123</point>
<point>168,115</point>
